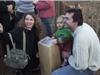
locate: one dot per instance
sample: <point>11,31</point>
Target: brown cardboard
<point>49,57</point>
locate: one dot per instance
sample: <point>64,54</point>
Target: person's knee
<point>54,73</point>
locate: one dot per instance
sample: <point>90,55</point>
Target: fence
<point>90,11</point>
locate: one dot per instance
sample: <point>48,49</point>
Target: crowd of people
<point>78,42</point>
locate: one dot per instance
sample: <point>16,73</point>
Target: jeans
<point>48,24</point>
<point>68,70</point>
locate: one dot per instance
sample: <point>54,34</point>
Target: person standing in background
<point>23,7</point>
<point>46,12</point>
<point>6,12</point>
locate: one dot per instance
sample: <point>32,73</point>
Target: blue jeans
<point>68,70</point>
<point>49,26</point>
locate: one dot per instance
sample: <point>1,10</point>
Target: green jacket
<point>63,34</point>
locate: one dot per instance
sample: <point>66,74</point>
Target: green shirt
<point>63,33</point>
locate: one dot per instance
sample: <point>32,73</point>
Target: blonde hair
<point>60,18</point>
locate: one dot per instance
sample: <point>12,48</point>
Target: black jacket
<point>31,42</point>
<point>5,16</point>
<point>17,34</point>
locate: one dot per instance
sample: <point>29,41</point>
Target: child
<point>63,38</point>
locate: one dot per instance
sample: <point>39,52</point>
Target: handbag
<point>16,58</point>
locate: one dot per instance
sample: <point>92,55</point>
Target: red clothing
<point>46,8</point>
<point>67,46</point>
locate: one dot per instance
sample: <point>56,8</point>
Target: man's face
<point>69,20</point>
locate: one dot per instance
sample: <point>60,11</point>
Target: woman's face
<point>29,21</point>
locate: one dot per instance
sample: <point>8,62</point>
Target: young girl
<point>30,25</point>
<point>63,38</point>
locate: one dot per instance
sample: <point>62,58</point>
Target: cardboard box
<point>49,56</point>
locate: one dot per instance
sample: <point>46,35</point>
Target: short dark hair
<point>77,15</point>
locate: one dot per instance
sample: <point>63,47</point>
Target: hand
<point>1,28</point>
<point>35,1</point>
<point>65,54</point>
<point>54,41</point>
<point>53,37</point>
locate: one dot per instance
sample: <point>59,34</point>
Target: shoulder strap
<point>24,41</point>
<point>11,40</point>
<point>8,48</point>
<point>8,51</point>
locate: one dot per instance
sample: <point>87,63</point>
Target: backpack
<point>16,58</point>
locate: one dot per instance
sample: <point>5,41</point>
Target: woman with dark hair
<point>31,26</point>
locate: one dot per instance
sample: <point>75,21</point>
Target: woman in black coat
<point>6,12</point>
<point>32,30</point>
